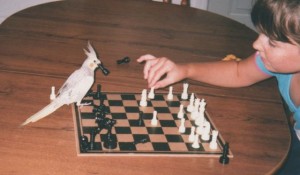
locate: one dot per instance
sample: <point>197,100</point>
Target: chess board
<point>134,138</point>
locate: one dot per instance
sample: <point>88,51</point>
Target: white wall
<point>238,10</point>
<point>9,7</point>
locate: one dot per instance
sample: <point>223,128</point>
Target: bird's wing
<point>80,90</point>
<point>71,81</point>
<point>77,91</point>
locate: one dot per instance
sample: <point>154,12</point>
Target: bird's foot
<point>80,105</point>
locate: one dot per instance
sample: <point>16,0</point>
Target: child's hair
<point>278,19</point>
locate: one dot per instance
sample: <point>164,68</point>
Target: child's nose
<point>257,44</point>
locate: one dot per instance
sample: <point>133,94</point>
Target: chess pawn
<point>154,119</point>
<point>196,144</point>
<point>170,94</point>
<point>205,136</point>
<point>52,95</point>
<point>143,101</point>
<point>192,134</point>
<point>184,94</point>
<point>213,144</point>
<point>151,93</point>
<point>190,107</point>
<point>182,127</point>
<point>180,113</point>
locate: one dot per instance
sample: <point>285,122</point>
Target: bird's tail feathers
<point>43,113</point>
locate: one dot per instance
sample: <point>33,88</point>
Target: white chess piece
<point>52,95</point>
<point>194,114</point>
<point>205,136</point>
<point>192,134</point>
<point>196,144</point>
<point>182,127</point>
<point>190,107</point>
<point>151,93</point>
<point>213,143</point>
<point>143,101</point>
<point>184,94</point>
<point>200,129</point>
<point>170,94</point>
<point>202,104</point>
<point>154,119</point>
<point>180,114</point>
<point>200,119</point>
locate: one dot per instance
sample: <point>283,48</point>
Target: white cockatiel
<point>76,86</point>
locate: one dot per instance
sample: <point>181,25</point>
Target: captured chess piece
<point>103,69</point>
<point>123,60</point>
<point>224,159</point>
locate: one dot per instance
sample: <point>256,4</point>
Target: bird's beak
<point>103,69</point>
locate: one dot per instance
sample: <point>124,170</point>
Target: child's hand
<point>156,68</point>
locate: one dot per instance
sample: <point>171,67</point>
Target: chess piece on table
<point>192,134</point>
<point>123,60</point>
<point>224,159</point>
<point>180,114</point>
<point>190,107</point>
<point>151,94</point>
<point>184,94</point>
<point>182,126</point>
<point>52,95</point>
<point>213,143</point>
<point>143,101</point>
<point>196,143</point>
<point>110,141</point>
<point>84,143</point>
<point>170,94</point>
<point>93,133</point>
<point>154,119</point>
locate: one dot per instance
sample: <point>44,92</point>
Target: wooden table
<point>42,45</point>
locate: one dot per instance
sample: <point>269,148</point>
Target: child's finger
<point>162,70</point>
<point>153,71</point>
<point>148,66</point>
<point>145,58</point>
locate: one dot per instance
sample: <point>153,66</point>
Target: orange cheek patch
<point>91,65</point>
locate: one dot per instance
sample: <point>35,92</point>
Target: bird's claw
<point>80,105</point>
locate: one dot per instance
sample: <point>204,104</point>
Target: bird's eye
<point>94,61</point>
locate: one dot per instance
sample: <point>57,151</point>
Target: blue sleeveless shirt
<point>284,82</point>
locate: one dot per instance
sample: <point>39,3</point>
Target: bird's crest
<point>90,52</point>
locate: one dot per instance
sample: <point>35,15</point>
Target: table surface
<point>41,46</point>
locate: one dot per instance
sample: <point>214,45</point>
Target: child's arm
<point>220,73</point>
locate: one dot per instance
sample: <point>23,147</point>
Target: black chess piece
<point>224,159</point>
<point>102,108</point>
<point>98,93</point>
<point>84,143</point>
<point>123,60</point>
<point>89,93</point>
<point>140,120</point>
<point>110,141</point>
<point>93,134</point>
<point>103,69</point>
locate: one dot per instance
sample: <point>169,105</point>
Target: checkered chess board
<point>161,140</point>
